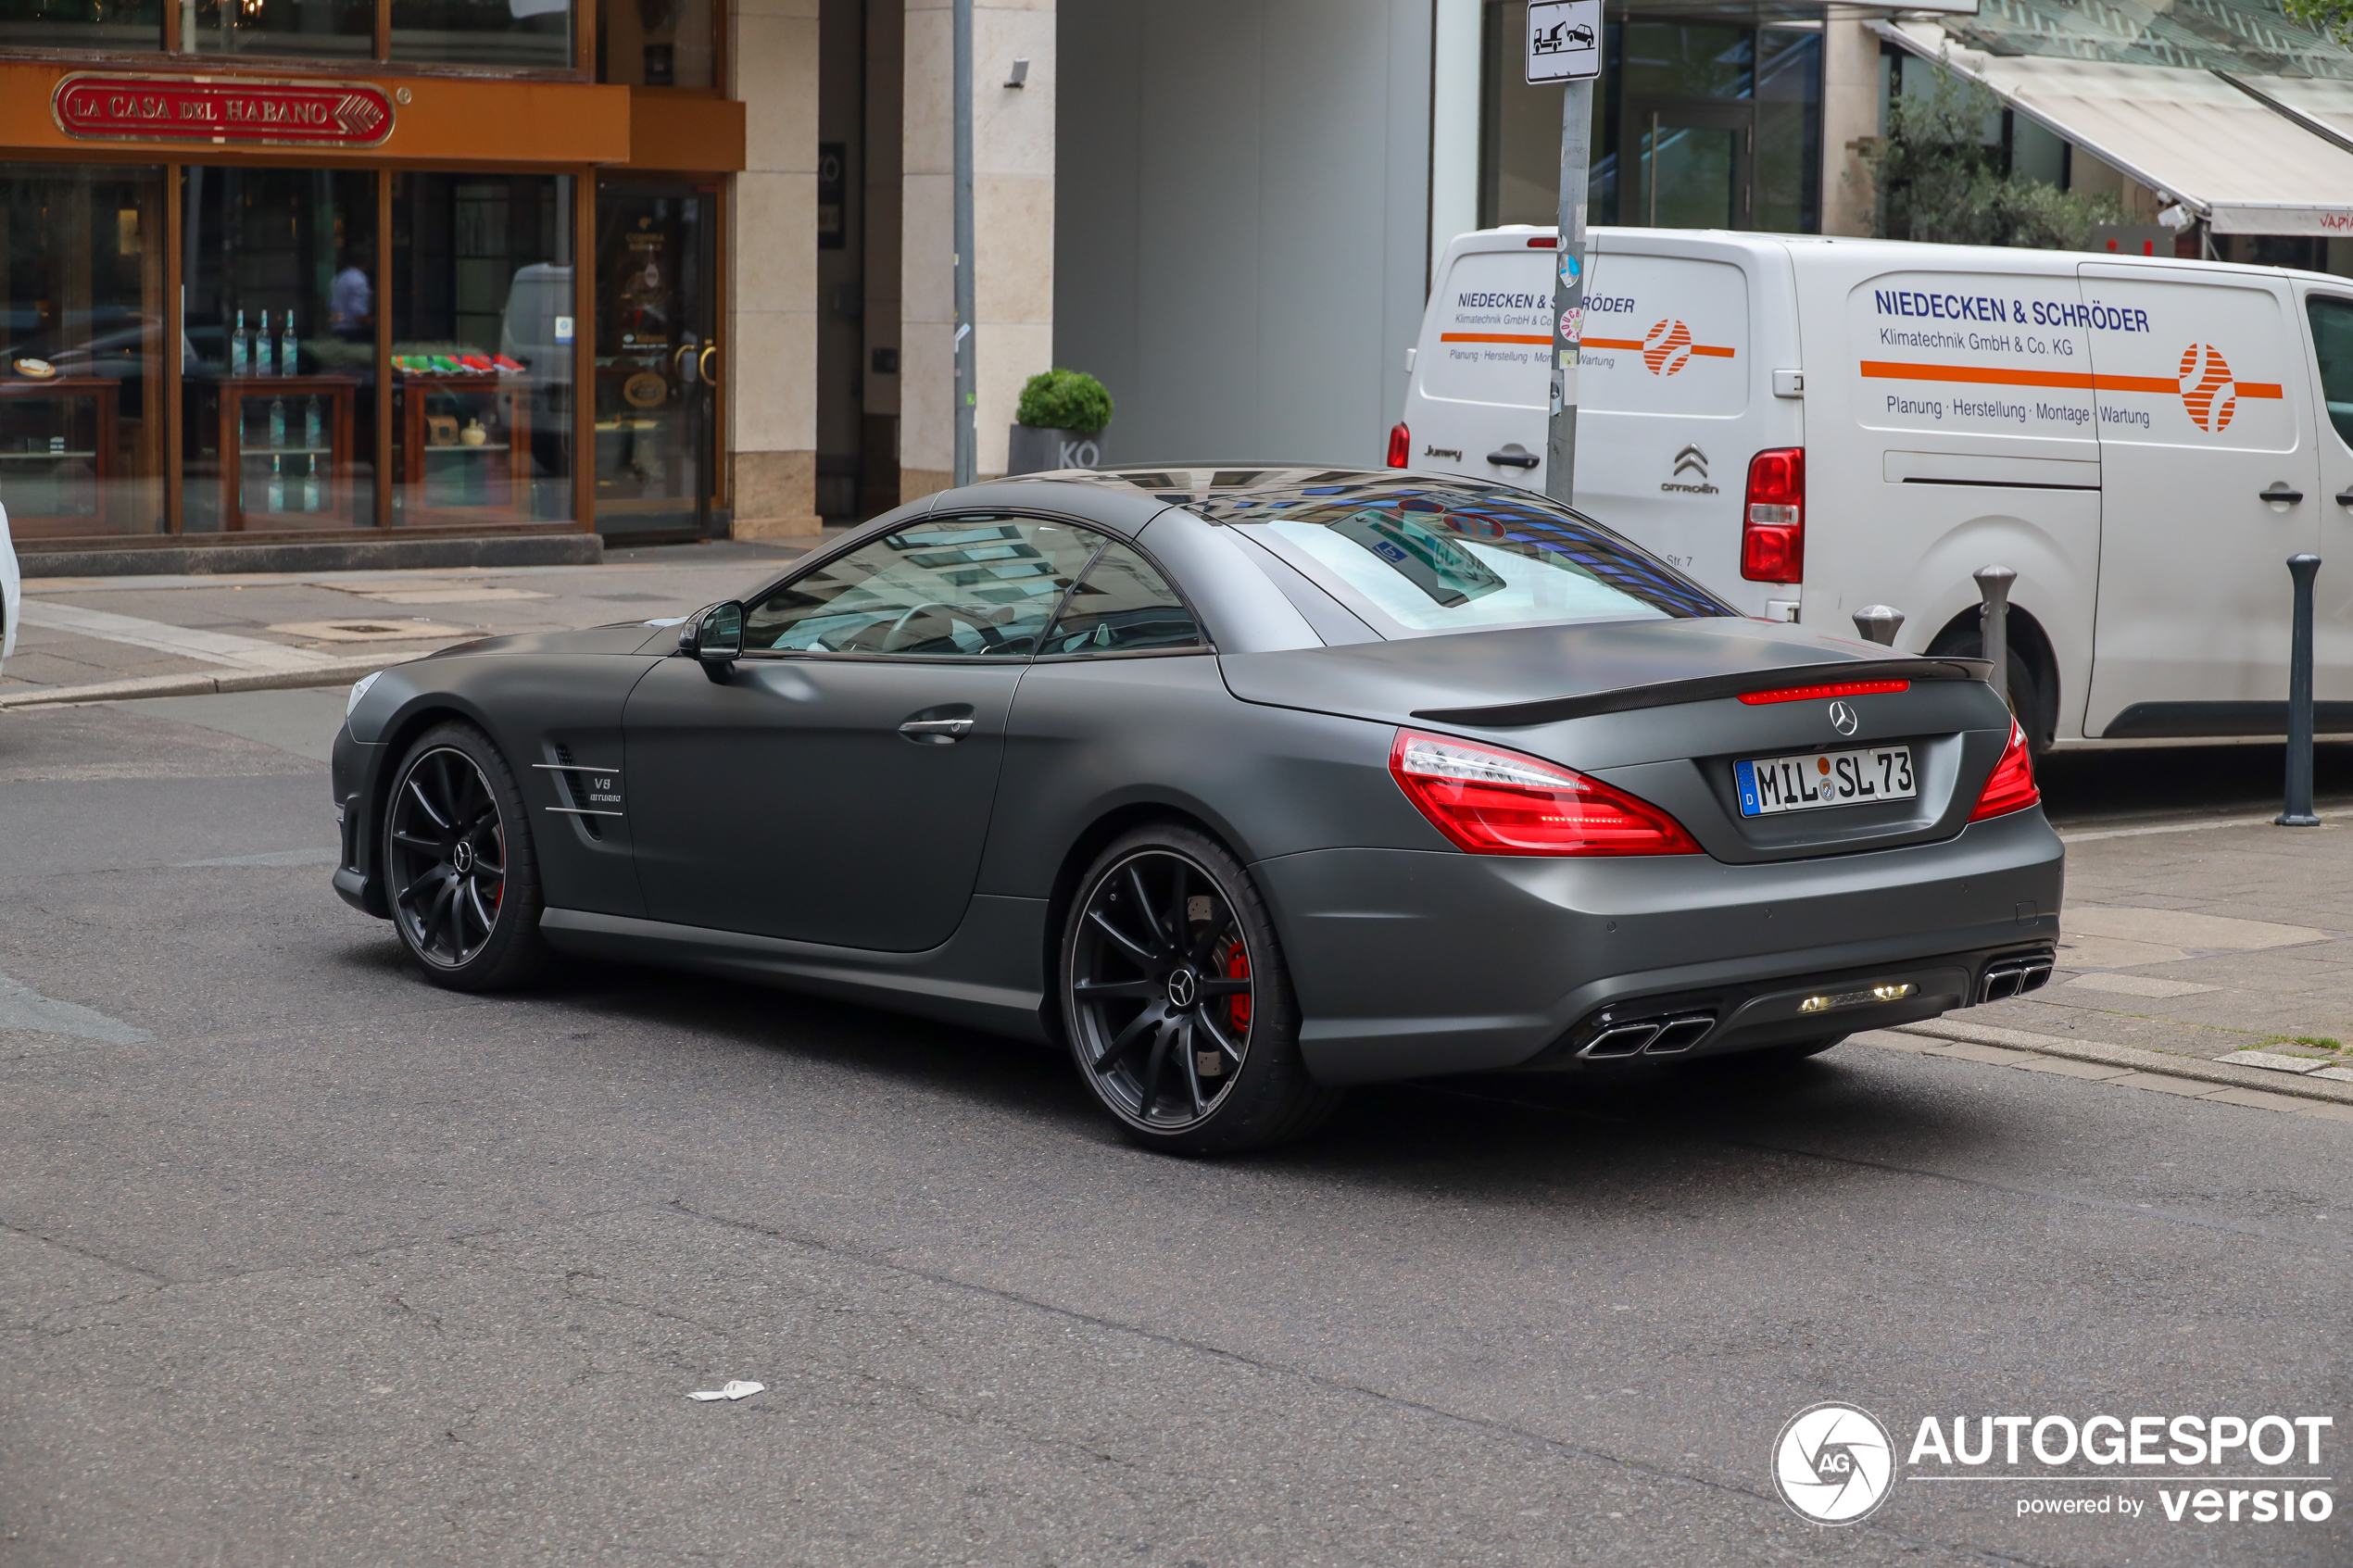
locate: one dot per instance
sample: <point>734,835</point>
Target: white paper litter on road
<point>737,1391</point>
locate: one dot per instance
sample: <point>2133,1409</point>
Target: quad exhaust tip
<point>2014,977</point>
<point>1650,1036</point>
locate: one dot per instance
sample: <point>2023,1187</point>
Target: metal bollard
<point>1993,620</point>
<point>1879,623</point>
<point>2298,811</point>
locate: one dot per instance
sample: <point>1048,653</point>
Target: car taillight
<point>1401,445</point>
<point>1773,521</point>
<point>2010,787</point>
<point>1494,802</point>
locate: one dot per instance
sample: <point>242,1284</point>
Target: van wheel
<point>2035,710</point>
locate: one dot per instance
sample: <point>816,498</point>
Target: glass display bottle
<point>287,363</point>
<point>262,347</point>
<point>277,492</point>
<point>310,501</point>
<point>237,348</point>
<point>311,422</point>
<point>277,421</point>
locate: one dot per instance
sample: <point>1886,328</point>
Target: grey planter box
<point>1032,450</point>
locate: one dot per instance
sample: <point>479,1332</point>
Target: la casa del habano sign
<point>341,114</point>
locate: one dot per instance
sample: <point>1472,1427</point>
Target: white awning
<point>2257,158</point>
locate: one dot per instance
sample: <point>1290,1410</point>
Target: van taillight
<point>1401,445</point>
<point>1773,522</point>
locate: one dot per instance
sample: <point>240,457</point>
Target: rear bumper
<point>1413,963</point>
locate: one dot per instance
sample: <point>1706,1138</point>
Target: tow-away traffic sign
<point>1564,40</point>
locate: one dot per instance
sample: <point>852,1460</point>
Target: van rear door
<point>2206,431</point>
<point>1476,404</point>
<point>1682,333</point>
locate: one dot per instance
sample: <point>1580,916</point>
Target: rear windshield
<point>1414,559</point>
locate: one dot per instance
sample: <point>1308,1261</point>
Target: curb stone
<point>340,672</point>
<point>2010,1043</point>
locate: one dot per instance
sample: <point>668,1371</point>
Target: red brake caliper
<point>1238,968</point>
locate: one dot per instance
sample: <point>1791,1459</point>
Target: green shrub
<point>1938,181</point>
<point>1064,400</point>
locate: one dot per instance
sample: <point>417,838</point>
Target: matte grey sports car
<point>1243,785</point>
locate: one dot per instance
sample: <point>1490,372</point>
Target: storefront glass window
<point>535,34</point>
<point>481,348</point>
<point>1789,131</point>
<point>338,28</point>
<point>82,24</point>
<point>1675,60</point>
<point>82,325</point>
<point>280,395</point>
<point>655,42</point>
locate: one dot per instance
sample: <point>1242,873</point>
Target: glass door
<point>1690,165</point>
<point>657,356</point>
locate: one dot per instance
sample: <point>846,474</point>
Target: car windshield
<point>1417,558</point>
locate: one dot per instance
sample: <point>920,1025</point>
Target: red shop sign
<point>334,114</point>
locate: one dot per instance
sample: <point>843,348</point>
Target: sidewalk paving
<point>97,637</point>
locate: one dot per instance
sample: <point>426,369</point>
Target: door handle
<point>936,732</point>
<point>2280,492</point>
<point>1514,460</point>
<point>2344,497</point>
<point>702,362</point>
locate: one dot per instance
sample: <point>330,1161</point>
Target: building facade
<point>665,269</point>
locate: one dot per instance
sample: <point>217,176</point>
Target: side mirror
<point>715,637</point>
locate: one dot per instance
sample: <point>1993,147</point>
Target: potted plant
<point>1060,419</point>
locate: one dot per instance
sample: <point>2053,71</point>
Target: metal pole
<point>1993,620</point>
<point>1879,623</point>
<point>1568,290</point>
<point>2298,811</point>
<point>967,382</point>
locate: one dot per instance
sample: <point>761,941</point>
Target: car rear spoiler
<point>1706,688</point>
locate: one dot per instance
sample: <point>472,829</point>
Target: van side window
<point>2333,342</point>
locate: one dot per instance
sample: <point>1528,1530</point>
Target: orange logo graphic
<point>1667,347</point>
<point>2209,391</point>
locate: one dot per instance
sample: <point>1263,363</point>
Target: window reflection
<point>81,325</point>
<point>655,42</point>
<point>535,33</point>
<point>979,587</point>
<point>343,29</point>
<point>279,395</point>
<point>82,24</point>
<point>481,347</point>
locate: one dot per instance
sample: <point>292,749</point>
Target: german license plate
<point>1811,780</point>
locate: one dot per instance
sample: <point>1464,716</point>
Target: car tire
<point>1176,1001</point>
<point>460,877</point>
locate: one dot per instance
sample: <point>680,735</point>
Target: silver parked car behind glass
<point>1243,785</point>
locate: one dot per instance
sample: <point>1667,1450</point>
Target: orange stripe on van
<point>1495,337</point>
<point>1634,346</point>
<point>1992,375</point>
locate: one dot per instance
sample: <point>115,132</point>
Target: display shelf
<point>46,490</point>
<point>445,480</point>
<point>248,454</point>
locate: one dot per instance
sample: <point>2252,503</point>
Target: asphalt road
<point>305,1261</point>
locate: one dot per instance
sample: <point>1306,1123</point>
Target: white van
<point>1811,426</point>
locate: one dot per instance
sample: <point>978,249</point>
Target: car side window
<point>966,587</point>
<point>1123,605</point>
<point>2333,343</point>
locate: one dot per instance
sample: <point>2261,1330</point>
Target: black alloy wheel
<point>1176,1005</point>
<point>456,867</point>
